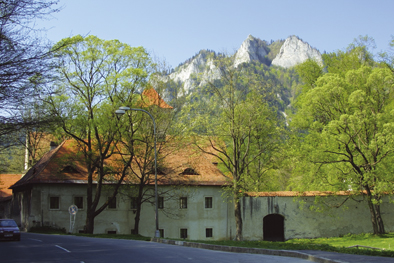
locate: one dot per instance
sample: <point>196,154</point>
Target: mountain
<point>295,51</point>
<point>199,69</point>
<point>252,49</point>
<point>201,64</point>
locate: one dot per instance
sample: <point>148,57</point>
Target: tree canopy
<point>94,78</point>
<point>345,128</point>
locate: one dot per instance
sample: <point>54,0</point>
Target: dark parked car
<point>9,230</point>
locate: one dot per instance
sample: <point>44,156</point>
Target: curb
<point>283,253</point>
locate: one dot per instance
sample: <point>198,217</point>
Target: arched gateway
<point>273,228</point>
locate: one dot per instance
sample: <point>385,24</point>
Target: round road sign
<point>73,209</point>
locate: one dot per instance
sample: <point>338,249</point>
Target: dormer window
<point>189,171</point>
<point>69,169</point>
<point>159,171</point>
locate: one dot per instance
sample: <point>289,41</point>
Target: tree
<point>141,132</point>
<point>94,78</point>
<point>388,56</point>
<point>24,60</point>
<point>346,130</point>
<point>142,173</point>
<point>237,122</point>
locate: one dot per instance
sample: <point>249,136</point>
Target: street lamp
<point>120,112</point>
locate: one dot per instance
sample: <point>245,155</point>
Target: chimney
<point>53,145</point>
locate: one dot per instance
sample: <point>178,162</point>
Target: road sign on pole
<point>73,209</point>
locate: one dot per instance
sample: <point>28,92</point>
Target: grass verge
<point>116,236</point>
<point>384,243</point>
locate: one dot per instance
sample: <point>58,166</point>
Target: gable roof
<point>63,165</point>
<point>6,180</point>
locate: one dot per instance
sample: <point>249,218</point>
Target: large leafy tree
<point>234,118</point>
<point>345,123</point>
<point>94,78</point>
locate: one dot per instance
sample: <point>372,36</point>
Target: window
<point>161,233</point>
<point>134,203</point>
<point>78,201</point>
<point>112,204</point>
<point>208,202</point>
<point>208,232</point>
<point>183,202</point>
<point>183,233</point>
<point>160,203</point>
<point>54,202</point>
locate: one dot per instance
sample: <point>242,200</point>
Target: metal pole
<point>157,232</point>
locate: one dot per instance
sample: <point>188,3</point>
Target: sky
<point>175,30</point>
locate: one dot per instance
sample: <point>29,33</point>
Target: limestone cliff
<point>252,49</point>
<point>295,51</point>
<point>199,69</point>
<point>196,71</point>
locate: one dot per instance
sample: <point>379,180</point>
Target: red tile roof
<point>6,180</point>
<point>62,165</point>
<point>151,97</point>
<point>299,194</point>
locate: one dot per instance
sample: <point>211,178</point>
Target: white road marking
<point>68,251</point>
<point>35,239</point>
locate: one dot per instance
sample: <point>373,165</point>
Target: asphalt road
<point>72,249</point>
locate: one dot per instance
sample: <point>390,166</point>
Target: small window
<point>78,201</point>
<point>134,203</point>
<point>112,204</point>
<point>189,171</point>
<point>54,202</point>
<point>183,202</point>
<point>183,233</point>
<point>208,232</point>
<point>111,232</point>
<point>161,233</point>
<point>208,202</point>
<point>160,201</point>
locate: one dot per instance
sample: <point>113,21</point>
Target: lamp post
<point>120,112</point>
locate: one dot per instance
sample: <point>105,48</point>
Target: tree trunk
<point>238,218</point>
<point>89,228</point>
<point>379,220</point>
<point>376,218</point>
<point>137,220</point>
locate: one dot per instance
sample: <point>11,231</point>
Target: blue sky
<point>175,30</point>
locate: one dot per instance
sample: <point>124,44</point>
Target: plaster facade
<point>302,221</point>
<point>201,222</point>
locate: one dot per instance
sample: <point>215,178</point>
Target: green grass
<point>116,236</point>
<point>385,243</point>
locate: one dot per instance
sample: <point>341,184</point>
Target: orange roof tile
<point>6,180</point>
<point>151,97</point>
<point>64,165</point>
<point>299,194</point>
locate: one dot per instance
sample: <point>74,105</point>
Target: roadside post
<point>73,209</point>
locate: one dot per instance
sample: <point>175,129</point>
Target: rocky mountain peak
<point>295,51</point>
<point>252,49</point>
<point>202,63</point>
